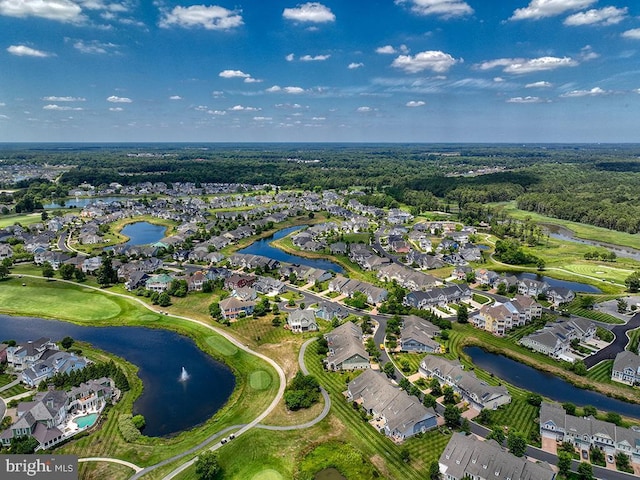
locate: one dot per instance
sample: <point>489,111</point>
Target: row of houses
<point>476,392</point>
<point>554,339</point>
<point>465,456</point>
<point>395,413</point>
<point>588,432</point>
<point>407,277</point>
<point>346,348</point>
<point>346,286</point>
<point>440,296</point>
<point>418,335</point>
<point>499,318</point>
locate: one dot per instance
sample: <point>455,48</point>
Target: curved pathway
<point>111,460</point>
<point>618,345</point>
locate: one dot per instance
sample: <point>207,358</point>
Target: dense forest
<point>593,184</point>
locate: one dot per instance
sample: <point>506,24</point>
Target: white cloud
<point>4,117</point>
<point>526,100</point>
<point>61,108</point>
<point>59,10</point>
<point>540,84</point>
<point>24,51</point>
<point>262,119</point>
<point>604,16</point>
<point>633,34</point>
<point>291,90</point>
<point>318,119</point>
<point>207,17</point>
<point>94,47</point>
<point>549,8</point>
<point>587,53</point>
<point>218,113</point>
<point>436,61</point>
<point>390,50</point>
<point>240,108</point>
<point>175,97</point>
<point>596,91</point>
<point>114,99</point>
<point>441,8</point>
<point>116,109</point>
<point>354,65</point>
<point>313,12</point>
<point>233,74</point>
<point>414,103</point>
<point>290,58</point>
<point>316,58</point>
<point>364,109</point>
<point>498,79</point>
<point>63,99</point>
<point>522,65</point>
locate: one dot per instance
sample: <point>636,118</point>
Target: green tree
<point>452,416</point>
<point>80,275</point>
<point>585,471</point>
<point>215,311</point>
<point>389,369</point>
<point>434,471</point>
<point>66,271</point>
<point>589,410</point>
<point>622,463</point>
<point>164,300</point>
<point>47,270</point>
<point>429,401</point>
<point>534,399</point>
<point>517,443</point>
<point>463,314</point>
<point>4,271</point>
<point>449,395</point>
<point>564,463</point>
<point>434,385</point>
<point>633,282</point>
<point>614,417</point>
<point>106,274</point>
<point>67,342</point>
<point>569,407</point>
<point>207,466</point>
<point>405,455</point>
<point>497,434</point>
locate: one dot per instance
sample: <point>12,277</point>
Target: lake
<point>263,247</point>
<point>545,384</point>
<point>143,233</point>
<point>575,286</point>
<point>168,404</point>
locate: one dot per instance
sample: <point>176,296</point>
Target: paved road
<point>618,345</point>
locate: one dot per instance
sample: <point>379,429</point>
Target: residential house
<point>499,318</point>
<point>417,335</point>
<point>236,281</point>
<point>5,251</point>
<point>407,277</point>
<point>476,392</point>
<point>466,456</point>
<point>330,310</point>
<point>532,288</point>
<point>196,281</point>
<point>396,413</point>
<point>375,295</point>
<point>440,296</point>
<point>51,363</point>
<point>588,432</point>
<point>424,260</point>
<point>346,350</point>
<point>232,308</point>
<point>158,283</point>
<point>486,277</point>
<point>23,355</point>
<point>554,339</point>
<point>626,368</point>
<point>269,286</point>
<point>559,295</point>
<point>302,321</point>
<point>135,280</point>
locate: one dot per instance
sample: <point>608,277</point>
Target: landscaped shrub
<point>128,430</point>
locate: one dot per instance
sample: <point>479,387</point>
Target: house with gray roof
<point>302,321</point>
<point>465,456</point>
<point>26,354</point>
<point>51,363</point>
<point>395,413</point>
<point>232,307</point>
<point>407,277</point>
<point>417,335</point>
<point>626,368</point>
<point>440,296</point>
<point>476,392</point>
<point>346,348</point>
<point>588,432</point>
<point>554,339</point>
<point>330,310</point>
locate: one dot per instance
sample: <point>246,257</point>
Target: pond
<point>329,474</point>
<point>545,384</point>
<point>83,202</point>
<point>561,233</point>
<point>575,286</point>
<point>168,404</point>
<point>143,233</point>
<point>263,247</point>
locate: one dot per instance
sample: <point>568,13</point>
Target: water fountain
<point>184,375</point>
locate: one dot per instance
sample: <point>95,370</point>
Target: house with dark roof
<point>26,354</point>
<point>441,296</point>
<point>300,321</point>
<point>232,308</point>
<point>51,363</point>
<point>346,348</point>
<point>395,413</point>
<point>465,456</point>
<point>554,339</point>
<point>476,392</point>
<point>417,335</point>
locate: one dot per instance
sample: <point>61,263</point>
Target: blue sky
<point>330,71</point>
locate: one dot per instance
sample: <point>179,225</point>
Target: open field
<point>580,230</point>
<point>24,220</point>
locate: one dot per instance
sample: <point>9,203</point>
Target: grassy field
<point>24,220</point>
<point>580,230</point>
<point>66,301</point>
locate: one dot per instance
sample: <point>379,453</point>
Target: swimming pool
<point>86,420</point>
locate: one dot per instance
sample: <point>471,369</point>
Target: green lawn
<point>601,372</point>
<point>24,220</point>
